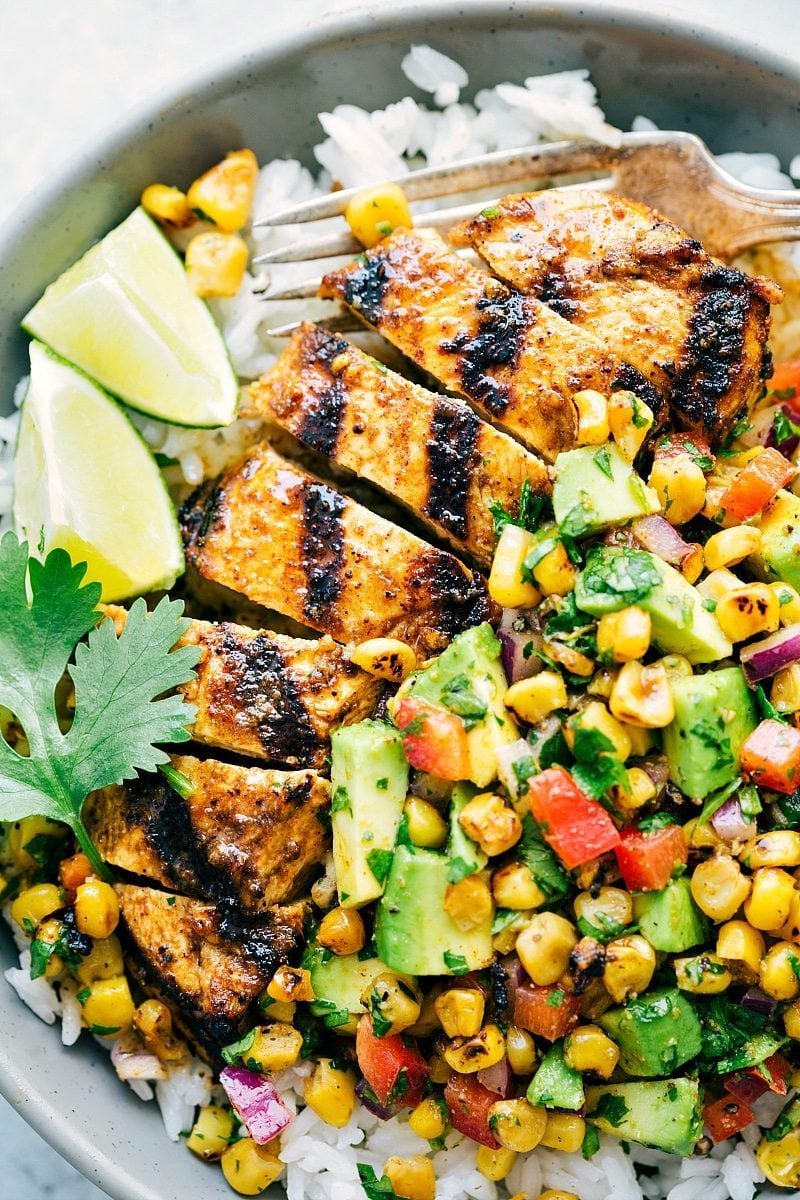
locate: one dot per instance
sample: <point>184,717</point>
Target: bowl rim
<point>364,20</point>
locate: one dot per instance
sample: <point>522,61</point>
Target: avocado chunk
<point>616,576</point>
<point>369,781</point>
<point>466,856</point>
<point>778,556</point>
<point>597,488</point>
<point>670,919</point>
<point>714,714</point>
<point>556,1084</point>
<point>338,982</point>
<point>665,1114</point>
<point>468,679</point>
<point>656,1033</point>
<point>413,933</point>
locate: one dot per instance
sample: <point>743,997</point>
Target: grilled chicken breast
<point>695,328</point>
<point>514,358</point>
<point>209,973</point>
<point>245,838</point>
<point>427,451</point>
<point>293,543</point>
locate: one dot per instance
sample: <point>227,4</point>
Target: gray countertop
<point>67,72</point>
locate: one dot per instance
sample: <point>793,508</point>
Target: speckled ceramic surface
<point>734,92</point>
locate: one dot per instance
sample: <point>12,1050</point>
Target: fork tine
<point>341,323</point>
<point>305,290</point>
<point>501,166</point>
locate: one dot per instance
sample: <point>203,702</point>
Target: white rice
<point>362,147</point>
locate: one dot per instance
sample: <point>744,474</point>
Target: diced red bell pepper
<point>786,378</point>
<point>745,1086</point>
<point>756,484</point>
<point>725,1117</point>
<point>577,828</point>
<point>770,1076</point>
<point>694,444</point>
<point>392,1066</point>
<point>433,740</point>
<point>647,860</point>
<point>468,1103</point>
<point>547,1012</point>
<point>771,756</point>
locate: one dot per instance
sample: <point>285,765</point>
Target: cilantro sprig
<point>122,703</point>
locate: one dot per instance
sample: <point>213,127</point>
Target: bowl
<point>732,94</point>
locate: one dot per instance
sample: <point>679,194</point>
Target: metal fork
<point>672,172</point>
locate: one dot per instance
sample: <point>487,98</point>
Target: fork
<point>674,173</point>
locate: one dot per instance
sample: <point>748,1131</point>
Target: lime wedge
<point>125,314</point>
<point>85,481</point>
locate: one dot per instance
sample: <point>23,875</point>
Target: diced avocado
<point>778,556</point>
<point>555,1084</point>
<point>755,1050</point>
<point>616,576</point>
<point>465,856</point>
<point>468,679</point>
<point>413,933</point>
<point>670,919</point>
<point>714,714</point>
<point>369,782</point>
<point>339,981</point>
<point>656,1033</point>
<point>596,488</point>
<point>665,1114</point>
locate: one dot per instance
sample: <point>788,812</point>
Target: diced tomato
<point>577,828</point>
<point>756,484</point>
<point>725,1117</point>
<point>774,1072</point>
<point>73,872</point>
<point>468,1103</point>
<point>647,860</point>
<point>671,445</point>
<point>771,756</point>
<point>785,379</point>
<point>548,1012</point>
<point>433,740</point>
<point>392,1066</point>
<point>745,1086</point>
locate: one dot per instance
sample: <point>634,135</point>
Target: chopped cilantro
<point>455,962</point>
<point>603,462</point>
<point>591,1142</point>
<point>658,820</point>
<point>697,456</point>
<point>784,429</point>
<point>556,998</point>
<point>340,801</point>
<point>492,212</point>
<point>624,577</point>
<point>540,860</point>
<point>104,1030</point>
<point>612,1109</point>
<point>375,1188</point>
<point>604,928</point>
<point>83,995</point>
<point>768,709</point>
<point>235,1051</point>
<point>459,868</point>
<point>533,508</point>
<point>382,784</point>
<point>536,555</point>
<point>380,863</point>
<point>381,1027</point>
<point>710,733</point>
<point>459,697</point>
<point>523,768</point>
<point>597,768</point>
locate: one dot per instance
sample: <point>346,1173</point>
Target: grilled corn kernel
<point>470,1054</point>
<point>35,903</point>
<point>703,974</point>
<point>506,585</point>
<point>490,822</point>
<point>625,635</point>
<point>769,903</point>
<point>780,1160</point>
<point>460,1011</point>
<point>790,931</point>
<point>275,1047</point>
<point>290,984</point>
<point>513,886</point>
<point>386,658</point>
<point>535,698</point>
<point>748,610</point>
<point>22,833</point>
<point>427,1022</point>
<point>559,1194</point>
<point>785,690</point>
<point>412,1178</point>
<point>641,790</point>
<point>642,696</point>
<point>544,947</point>
<point>167,204</point>
<point>569,658</point>
<point>564,1131</point>
<point>517,1125</point>
<point>609,908</point>
<point>393,1003</point>
<point>789,602</point>
<point>778,848</point>
<point>248,1168</point>
<point>595,716</point>
<point>224,194</point>
<point>731,546</point>
<point>718,584</point>
<point>96,909</point>
<point>427,1120</point>
<point>555,574</point>
<point>49,931</point>
<point>587,1048</point>
<point>520,1050</point>
<point>593,428</point>
<point>680,486</point>
<point>331,1093</point>
<point>277,1010</point>
<point>741,948</point>
<point>109,1006</point>
<point>791,1020</point>
<point>629,967</point>
<point>595,1000</point>
<point>601,683</point>
<point>630,420</point>
<point>211,1133</point>
<point>468,902</point>
<point>215,263</point>
<point>495,1164</point>
<point>641,739</point>
<point>342,931</point>
<point>373,213</point>
<point>103,961</point>
<point>777,974</point>
<point>718,887</point>
<point>691,565</point>
<point>426,826</point>
<point>438,1070</point>
<point>153,1020</point>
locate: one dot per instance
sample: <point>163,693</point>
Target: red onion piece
<point>256,1102</point>
<point>759,428</point>
<point>730,823</point>
<point>136,1064</point>
<point>372,1103</point>
<point>498,1079</point>
<point>512,655</point>
<point>509,616</point>
<point>758,1001</point>
<point>771,654</point>
<point>515,972</point>
<point>662,539</point>
<point>657,768</point>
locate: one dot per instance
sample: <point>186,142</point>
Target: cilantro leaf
<point>459,697</point>
<point>235,1051</point>
<point>456,962</point>
<point>591,1142</point>
<point>380,863</point>
<point>784,429</point>
<point>532,510</point>
<point>603,462</point>
<point>621,575</point>
<point>540,860</point>
<point>597,768</point>
<point>612,1109</point>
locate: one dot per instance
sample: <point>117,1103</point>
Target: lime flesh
<point>125,314</point>
<point>86,482</point>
